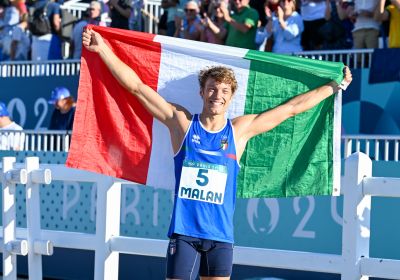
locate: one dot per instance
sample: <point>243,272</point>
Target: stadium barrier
<point>358,186</point>
<point>377,147</point>
<point>355,59</point>
<point>38,140</point>
<point>372,145</point>
<point>49,68</point>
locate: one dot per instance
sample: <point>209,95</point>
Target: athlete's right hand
<point>92,40</point>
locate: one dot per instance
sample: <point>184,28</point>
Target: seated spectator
<point>191,26</point>
<point>63,115</point>
<point>214,28</point>
<point>48,46</point>
<point>313,14</point>
<point>366,28</point>
<point>21,40</point>
<point>286,26</point>
<point>120,11</point>
<point>241,26</point>
<point>391,13</point>
<point>9,140</point>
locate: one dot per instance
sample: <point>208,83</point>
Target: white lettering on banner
<point>252,213</point>
<point>93,200</point>
<point>44,103</point>
<point>203,182</point>
<point>17,106</point>
<point>300,232</point>
<point>131,208</point>
<point>67,205</point>
<point>20,108</point>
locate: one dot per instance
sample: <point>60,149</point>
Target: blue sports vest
<point>205,190</point>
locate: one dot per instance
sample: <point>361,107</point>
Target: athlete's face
<point>216,97</point>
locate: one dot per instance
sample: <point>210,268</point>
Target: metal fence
<point>353,58</point>
<point>49,68</point>
<point>354,262</point>
<point>34,140</point>
<point>377,147</point>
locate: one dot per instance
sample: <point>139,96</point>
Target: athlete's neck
<point>212,122</point>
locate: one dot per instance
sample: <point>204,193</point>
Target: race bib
<point>203,181</point>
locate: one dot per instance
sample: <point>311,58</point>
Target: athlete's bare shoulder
<point>179,125</point>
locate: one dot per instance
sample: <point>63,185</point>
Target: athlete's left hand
<point>347,78</point>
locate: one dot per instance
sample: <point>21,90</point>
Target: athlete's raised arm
<point>127,77</point>
<point>248,126</point>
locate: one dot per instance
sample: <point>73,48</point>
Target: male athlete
<point>207,150</point>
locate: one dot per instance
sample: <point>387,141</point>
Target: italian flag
<point>114,135</point>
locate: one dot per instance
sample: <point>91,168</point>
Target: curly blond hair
<point>220,74</point>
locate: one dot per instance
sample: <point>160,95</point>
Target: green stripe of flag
<point>297,156</point>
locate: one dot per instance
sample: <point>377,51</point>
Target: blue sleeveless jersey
<point>205,190</point>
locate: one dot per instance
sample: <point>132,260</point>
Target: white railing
<point>151,13</point>
<point>373,146</point>
<point>354,263</point>
<point>377,147</point>
<point>69,67</point>
<point>361,58</point>
<point>40,68</point>
<point>42,140</point>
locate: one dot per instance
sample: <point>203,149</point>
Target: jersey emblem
<point>196,139</point>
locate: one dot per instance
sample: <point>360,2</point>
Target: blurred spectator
<point>162,22</point>
<point>286,26</point>
<point>241,27</point>
<point>266,45</point>
<point>48,46</point>
<point>258,5</point>
<point>9,17</point>
<point>345,8</point>
<point>214,28</point>
<point>333,31</point>
<point>21,40</point>
<point>94,13</point>
<point>136,21</point>
<point>173,16</point>
<point>9,140</point>
<point>191,26</point>
<point>64,109</point>
<point>313,14</point>
<point>391,13</point>
<point>91,16</point>
<point>120,12</point>
<point>366,28</point>
<point>205,6</point>
<point>20,6</point>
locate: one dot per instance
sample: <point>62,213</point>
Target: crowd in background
<point>282,26</point>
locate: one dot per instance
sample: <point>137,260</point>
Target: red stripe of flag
<point>112,131</point>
